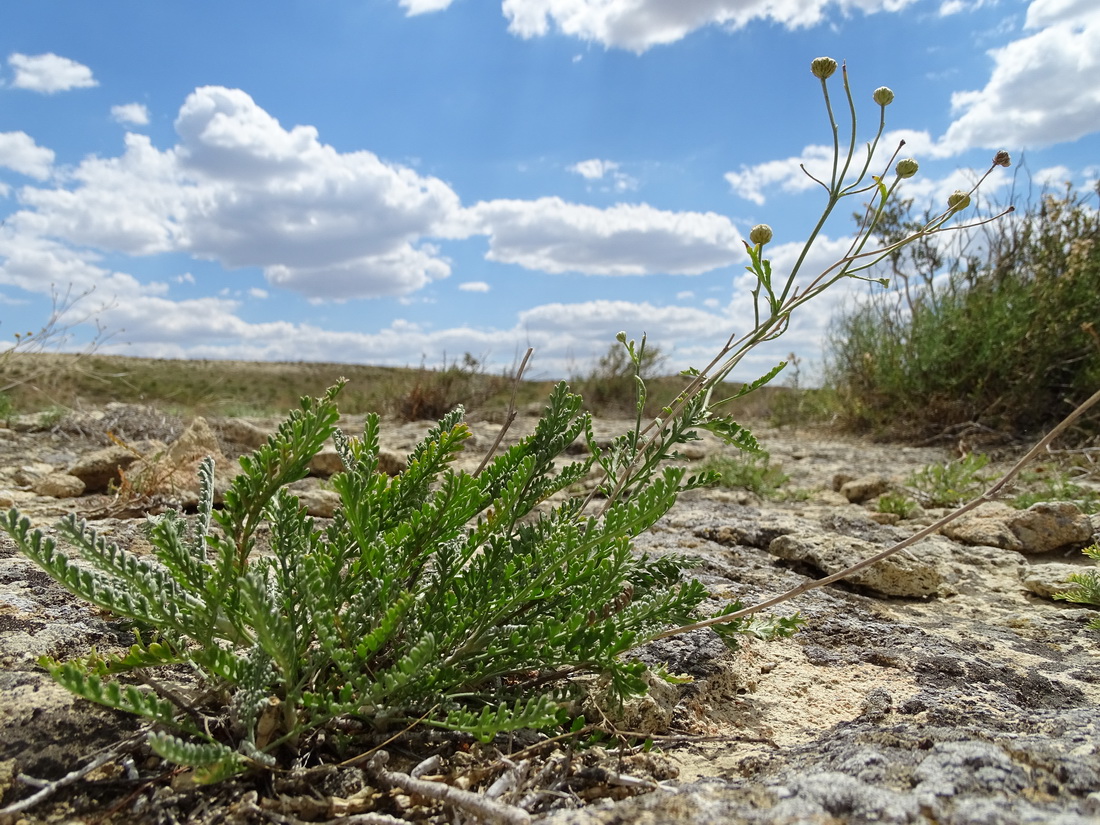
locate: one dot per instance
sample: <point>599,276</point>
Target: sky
<point>400,182</point>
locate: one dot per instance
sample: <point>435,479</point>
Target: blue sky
<point>403,181</point>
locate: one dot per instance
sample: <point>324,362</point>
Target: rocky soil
<point>941,686</point>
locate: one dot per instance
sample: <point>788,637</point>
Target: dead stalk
<point>988,495</point>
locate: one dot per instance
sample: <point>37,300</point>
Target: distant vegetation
<point>1000,329</point>
<point>245,388</point>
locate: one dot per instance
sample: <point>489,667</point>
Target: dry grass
<point>245,388</point>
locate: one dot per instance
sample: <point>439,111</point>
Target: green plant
<point>436,392</point>
<point>610,387</point>
<point>750,471</point>
<point>897,503</point>
<point>1088,586</point>
<point>998,328</point>
<point>795,405</point>
<point>433,596</point>
<point>1059,488</point>
<point>437,597</point>
<point>951,483</point>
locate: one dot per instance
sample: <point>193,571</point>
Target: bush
<point>998,330</point>
<point>435,393</point>
<point>753,472</point>
<point>432,597</point>
<point>612,385</point>
<point>1087,589</point>
<point>952,483</point>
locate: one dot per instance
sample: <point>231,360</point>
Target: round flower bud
<point>884,96</point>
<point>1002,158</point>
<point>958,200</point>
<point>760,234</point>
<point>906,168</point>
<point>823,67</point>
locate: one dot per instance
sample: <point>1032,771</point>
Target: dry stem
<point>988,495</point>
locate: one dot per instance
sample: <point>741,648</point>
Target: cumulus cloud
<point>135,114</point>
<point>638,25</point>
<point>21,154</point>
<point>242,190</point>
<point>49,73</point>
<point>554,236</point>
<point>474,286</point>
<point>1042,89</point>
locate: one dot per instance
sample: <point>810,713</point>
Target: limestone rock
<point>99,469</point>
<point>319,503</point>
<point>390,462</point>
<point>1047,579</point>
<point>58,485</point>
<point>859,490</point>
<point>1049,525</point>
<point>174,473</point>
<point>1045,526</point>
<point>910,573</point>
<point>987,526</point>
<point>244,433</point>
<point>196,442</point>
<point>326,463</point>
<point>28,473</point>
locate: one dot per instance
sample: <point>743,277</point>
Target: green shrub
<point>897,503</point>
<point>998,329</point>
<point>432,597</point>
<point>612,385</point>
<point>1059,488</point>
<point>435,393</point>
<point>749,471</point>
<point>951,483</point>
<point>1088,586</point>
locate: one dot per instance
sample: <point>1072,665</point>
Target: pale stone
<point>1049,525</point>
<point>99,469</point>
<point>326,463</point>
<point>858,490</point>
<point>58,485</point>
<point>1047,579</point>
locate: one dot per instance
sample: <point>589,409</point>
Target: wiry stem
<point>988,495</point>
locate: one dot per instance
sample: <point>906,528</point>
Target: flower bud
<point>958,200</point>
<point>760,234</point>
<point>823,67</point>
<point>906,168</point>
<point>884,96</point>
<point>1002,158</point>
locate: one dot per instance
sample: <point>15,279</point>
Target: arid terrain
<point>941,686</point>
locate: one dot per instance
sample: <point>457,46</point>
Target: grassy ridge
<point>248,388</point>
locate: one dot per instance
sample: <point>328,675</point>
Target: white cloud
<point>49,73</point>
<point>136,114</point>
<point>20,153</point>
<point>1042,89</point>
<point>474,286</point>
<point>594,168</point>
<point>638,25</point>
<point>240,189</point>
<point>256,292</point>
<point>414,7</point>
<point>554,236</point>
<point>685,295</point>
